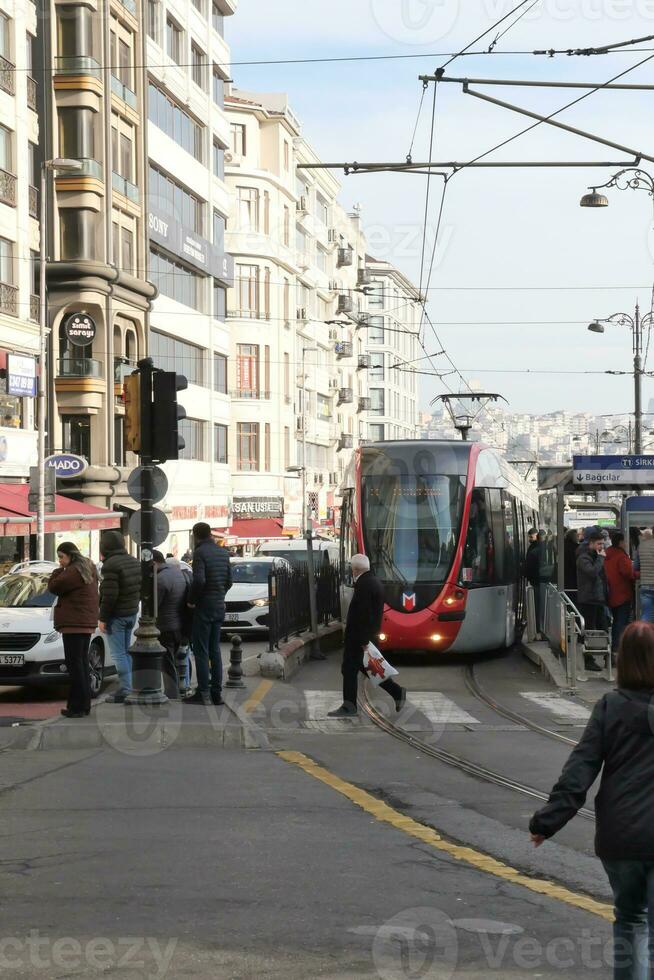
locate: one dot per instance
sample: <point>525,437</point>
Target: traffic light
<point>166,414</point>
<point>132,394</point>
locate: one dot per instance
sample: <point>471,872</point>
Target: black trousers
<point>171,641</point>
<point>76,655</point>
<point>351,667</point>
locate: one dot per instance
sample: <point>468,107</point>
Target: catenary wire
<point>483,34</point>
<point>499,37</point>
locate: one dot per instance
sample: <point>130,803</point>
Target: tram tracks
<point>458,762</point>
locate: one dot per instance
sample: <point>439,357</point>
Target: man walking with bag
<point>212,578</point>
<point>364,619</point>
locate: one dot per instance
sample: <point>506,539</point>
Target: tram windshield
<point>411,525</point>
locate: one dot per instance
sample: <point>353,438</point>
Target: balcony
<point>77,65</point>
<point>365,405</point>
<point>35,308</point>
<point>343,349</point>
<point>364,276</point>
<point>79,367</point>
<point>7,76</point>
<point>345,304</point>
<point>7,188</point>
<point>345,256</point>
<point>345,396</point>
<point>125,187</point>
<point>363,362</point>
<point>33,201</point>
<point>87,168</point>
<point>8,298</point>
<point>31,93</point>
<point>346,441</point>
<point>246,394</point>
<point>123,92</point>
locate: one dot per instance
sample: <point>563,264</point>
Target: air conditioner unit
<point>345,257</point>
<point>364,405</point>
<point>343,348</point>
<point>228,156</point>
<point>345,303</point>
<point>301,205</point>
<point>364,276</point>
<point>363,362</point>
<point>345,396</point>
<point>345,442</point>
<point>301,313</point>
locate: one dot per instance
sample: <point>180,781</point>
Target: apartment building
<point>294,377</point>
<point>19,244</point>
<point>392,349</point>
<point>187,208</point>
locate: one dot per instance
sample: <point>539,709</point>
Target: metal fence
<point>288,597</point>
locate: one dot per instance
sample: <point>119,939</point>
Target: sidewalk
<point>590,687</point>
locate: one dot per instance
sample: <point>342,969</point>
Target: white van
<point>295,550</point>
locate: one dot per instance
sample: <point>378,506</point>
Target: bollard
<point>183,669</point>
<point>235,672</point>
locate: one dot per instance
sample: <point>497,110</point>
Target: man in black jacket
<point>212,578</point>
<point>120,595</point>
<point>364,619</point>
<point>172,600</point>
<point>592,588</point>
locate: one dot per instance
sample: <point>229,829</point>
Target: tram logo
<point>409,601</point>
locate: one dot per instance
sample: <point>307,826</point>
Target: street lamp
<point>58,165</point>
<point>632,178</point>
<point>636,324</point>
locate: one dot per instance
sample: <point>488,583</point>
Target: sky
<point>520,268</point>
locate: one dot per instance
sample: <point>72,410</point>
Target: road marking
<point>467,855</point>
<point>439,709</point>
<point>558,705</point>
<point>319,703</point>
<point>257,696</point>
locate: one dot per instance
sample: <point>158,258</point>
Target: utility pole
<point>307,530</point>
<point>41,413</point>
<point>638,384</point>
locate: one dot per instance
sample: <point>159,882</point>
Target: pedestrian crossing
<point>560,707</point>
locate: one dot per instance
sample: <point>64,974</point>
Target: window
<point>127,251</point>
<point>176,280</point>
<point>247,370</point>
<point>287,226</point>
<point>266,293</point>
<point>76,435</point>
<point>122,163</point>
<point>79,229</point>
<point>192,432</point>
<point>376,401</point>
<point>216,19</point>
<point>218,231</point>
<point>153,20</point>
<point>121,60</point>
<point>170,353</point>
<point>287,447</point>
<point>76,133</point>
<point>6,154</point>
<point>478,555</point>
<point>248,208</point>
<point>5,36</point>
<point>322,208</point>
<point>219,300</point>
<point>218,87</point>
<point>324,407</point>
<point>376,432</point>
<point>220,373</point>
<point>321,259</point>
<point>220,443</point>
<point>168,195</point>
<point>287,300</point>
<point>174,41</point>
<point>247,291</point>
<point>376,296</point>
<point>287,156</point>
<point>376,367</point>
<point>199,6</point>
<point>247,448</point>
<point>287,378</point>
<point>218,160</point>
<point>266,448</point>
<point>175,122</point>
<point>266,213</point>
<point>6,261</point>
<point>376,330</point>
<point>238,139</point>
<point>199,66</point>
<point>266,371</point>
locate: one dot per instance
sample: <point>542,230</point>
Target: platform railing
<point>564,627</point>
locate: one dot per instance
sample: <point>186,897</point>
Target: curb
<point>283,663</point>
<point>540,653</point>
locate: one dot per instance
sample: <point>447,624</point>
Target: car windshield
<point>25,590</point>
<point>251,572</point>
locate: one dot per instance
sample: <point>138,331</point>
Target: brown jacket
<point>78,605</point>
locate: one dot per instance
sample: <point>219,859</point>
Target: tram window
<point>479,553</point>
<point>511,561</point>
<point>498,535</point>
<point>348,538</point>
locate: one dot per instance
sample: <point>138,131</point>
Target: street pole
<point>307,530</point>
<point>41,389</point>
<point>638,385</point>
<point>146,651</point>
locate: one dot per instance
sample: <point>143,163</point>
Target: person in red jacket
<point>620,575</point>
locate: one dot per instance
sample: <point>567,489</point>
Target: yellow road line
<point>476,859</point>
<point>257,696</point>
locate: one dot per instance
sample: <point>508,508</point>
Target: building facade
<point>298,391</point>
<point>188,205</point>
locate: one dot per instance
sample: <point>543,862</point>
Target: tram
<point>444,525</point>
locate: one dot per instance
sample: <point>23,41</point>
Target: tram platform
<point>591,687</point>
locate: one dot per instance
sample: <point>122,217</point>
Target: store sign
<point>80,329</point>
<point>190,247</point>
<point>21,375</point>
<point>613,470</point>
<point>66,465</point>
<point>250,508</point>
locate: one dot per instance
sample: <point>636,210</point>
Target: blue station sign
<point>620,471</point>
<point>66,465</point>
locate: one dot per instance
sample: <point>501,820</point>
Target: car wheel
<point>96,667</point>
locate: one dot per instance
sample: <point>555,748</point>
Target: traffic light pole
<point>146,651</point>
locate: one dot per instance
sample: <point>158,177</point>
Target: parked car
<point>246,603</point>
<point>31,651</point>
<point>294,550</point>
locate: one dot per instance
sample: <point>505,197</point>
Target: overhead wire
<point>499,37</point>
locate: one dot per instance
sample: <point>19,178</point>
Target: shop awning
<point>255,530</point>
<point>16,518</point>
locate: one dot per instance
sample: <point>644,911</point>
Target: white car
<point>246,603</point>
<point>31,651</point>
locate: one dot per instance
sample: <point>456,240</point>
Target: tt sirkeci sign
<point>589,471</point>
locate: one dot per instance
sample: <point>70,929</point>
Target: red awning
<point>255,530</point>
<point>69,515</point>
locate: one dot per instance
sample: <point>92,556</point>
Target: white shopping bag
<point>377,669</point>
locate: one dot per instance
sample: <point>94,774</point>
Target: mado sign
<point>66,465</point>
<point>591,471</point>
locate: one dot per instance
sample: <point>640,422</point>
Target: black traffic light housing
<point>166,414</point>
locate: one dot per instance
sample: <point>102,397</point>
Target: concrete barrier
<point>282,663</point>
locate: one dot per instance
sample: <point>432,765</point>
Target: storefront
<point>255,519</point>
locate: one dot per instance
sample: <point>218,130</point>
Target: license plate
<point>231,617</point>
<point>12,659</point>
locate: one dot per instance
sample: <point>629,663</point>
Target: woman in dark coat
<point>75,583</point>
<point>619,741</point>
<point>570,547</point>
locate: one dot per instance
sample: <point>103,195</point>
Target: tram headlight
<point>436,637</point>
<point>382,637</point>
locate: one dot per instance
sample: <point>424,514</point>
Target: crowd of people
<point>190,608</point>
